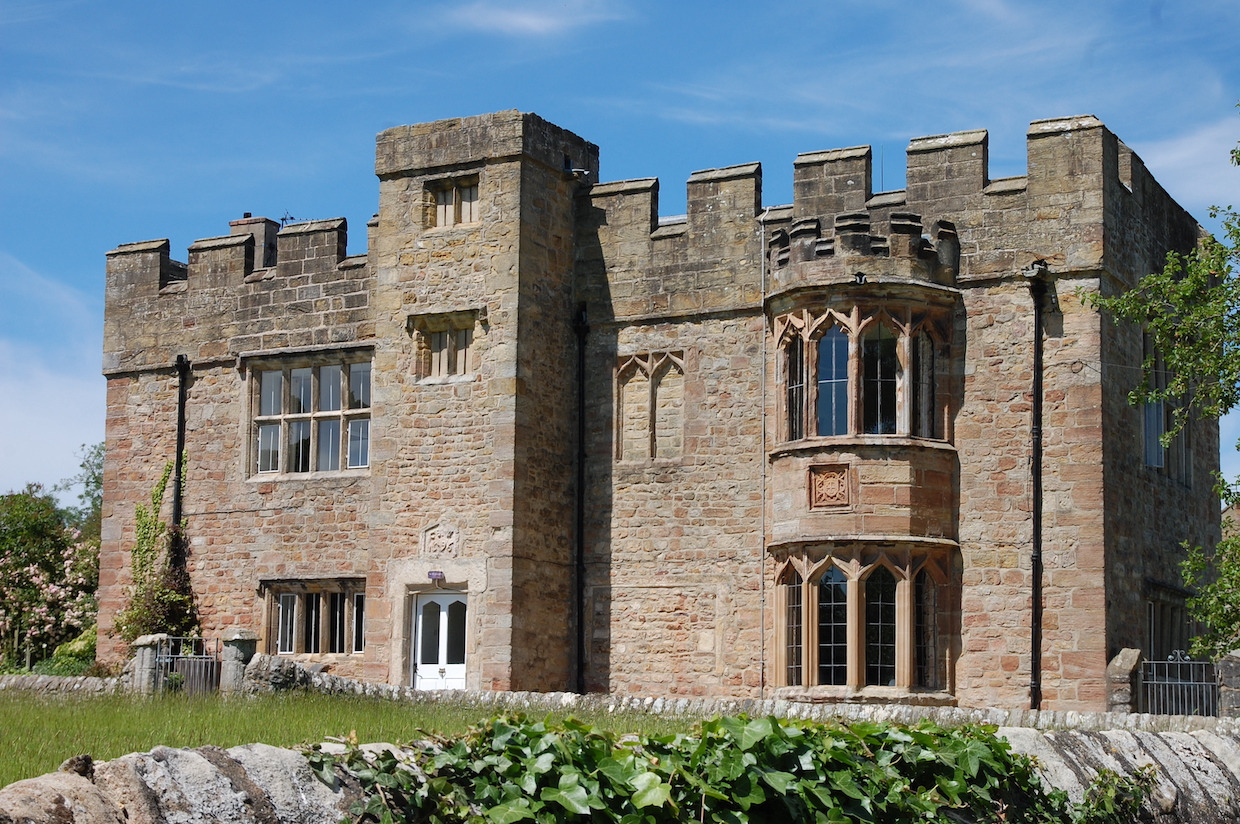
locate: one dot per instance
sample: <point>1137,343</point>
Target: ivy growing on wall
<point>161,598</point>
<point>731,769</point>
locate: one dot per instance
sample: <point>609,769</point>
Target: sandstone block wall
<point>493,243</point>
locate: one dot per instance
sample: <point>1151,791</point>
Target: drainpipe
<point>762,538</point>
<point>1036,275</point>
<point>183,369</point>
<point>581,328</point>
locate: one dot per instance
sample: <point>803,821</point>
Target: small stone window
<point>445,343</point>
<point>311,416</point>
<point>316,617</point>
<point>455,201</point>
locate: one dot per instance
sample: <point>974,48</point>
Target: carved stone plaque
<point>828,486</point>
<point>440,541</point>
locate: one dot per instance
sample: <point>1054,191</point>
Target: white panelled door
<point>438,641</point>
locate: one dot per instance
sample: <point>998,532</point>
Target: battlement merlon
<point>443,146</point>
<point>253,249</point>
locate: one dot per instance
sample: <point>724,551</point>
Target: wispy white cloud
<point>15,13</point>
<point>30,298</point>
<point>538,18</point>
<point>46,415</point>
<point>1000,11</point>
<point>51,392</point>
<point>1195,166</point>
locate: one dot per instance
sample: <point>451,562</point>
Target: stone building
<point>540,437</point>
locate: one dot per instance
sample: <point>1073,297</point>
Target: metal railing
<point>189,665</point>
<point>1179,686</point>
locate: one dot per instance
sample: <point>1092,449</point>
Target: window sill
<point>435,230</point>
<point>865,695</point>
<point>342,475</point>
<point>841,442</point>
<point>440,380</point>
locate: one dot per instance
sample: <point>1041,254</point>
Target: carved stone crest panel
<point>828,486</point>
<point>440,541</point>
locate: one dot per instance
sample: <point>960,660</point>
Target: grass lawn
<point>38,732</point>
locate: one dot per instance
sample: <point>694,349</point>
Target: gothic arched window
<point>833,382</point>
<point>880,378</point>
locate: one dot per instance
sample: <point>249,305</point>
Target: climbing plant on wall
<point>161,598</point>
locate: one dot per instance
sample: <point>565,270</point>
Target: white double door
<point>438,641</point>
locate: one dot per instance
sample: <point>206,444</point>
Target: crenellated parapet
<point>631,263</point>
<point>1086,203</point>
<point>804,256</point>
<point>259,287</point>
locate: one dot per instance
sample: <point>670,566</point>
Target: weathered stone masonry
<point>806,464</point>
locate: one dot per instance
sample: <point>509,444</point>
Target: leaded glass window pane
<point>359,385</point>
<point>833,627</point>
<point>926,632</point>
<point>794,637</point>
<point>880,375</point>
<point>269,447</point>
<point>299,446</point>
<point>300,390</point>
<point>329,387</point>
<point>287,623</point>
<point>795,355</point>
<point>359,443</point>
<point>880,628</point>
<point>329,446</point>
<point>271,386</point>
<point>833,382</point>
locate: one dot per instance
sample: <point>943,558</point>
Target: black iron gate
<point>1179,686</point>
<point>189,665</point>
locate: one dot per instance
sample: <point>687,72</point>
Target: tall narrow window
<point>286,623</point>
<point>833,383</point>
<point>926,632</point>
<point>310,642</point>
<point>270,405</point>
<point>833,627</point>
<point>793,635</point>
<point>880,378</point>
<point>1154,412</point>
<point>450,352</point>
<point>455,652</point>
<point>923,407</point>
<point>794,355</point>
<point>430,634</point>
<point>336,621</point>
<point>880,628</point>
<point>359,622</point>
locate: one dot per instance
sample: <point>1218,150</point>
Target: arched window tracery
<point>855,616</point>
<point>863,373</point>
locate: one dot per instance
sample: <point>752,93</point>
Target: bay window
<point>851,617</point>
<point>880,380</point>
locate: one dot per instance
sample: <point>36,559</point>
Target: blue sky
<point>124,121</point>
